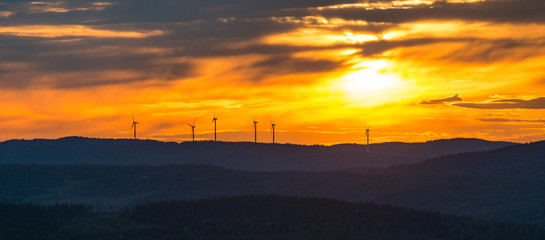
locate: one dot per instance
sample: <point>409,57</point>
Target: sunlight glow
<point>371,78</point>
<point>318,37</point>
<point>371,83</point>
<point>359,38</point>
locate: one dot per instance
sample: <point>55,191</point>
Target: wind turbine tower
<point>255,130</point>
<point>367,130</point>
<point>214,120</point>
<point>133,126</point>
<point>192,129</point>
<point>273,124</point>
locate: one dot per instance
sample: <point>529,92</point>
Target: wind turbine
<point>133,126</point>
<point>193,129</point>
<point>214,120</point>
<point>273,124</point>
<point>255,130</point>
<point>367,130</point>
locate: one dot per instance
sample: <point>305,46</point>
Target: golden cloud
<point>53,31</point>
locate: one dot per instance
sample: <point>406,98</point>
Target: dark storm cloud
<point>537,103</point>
<point>167,11</point>
<point>279,65</point>
<point>160,11</point>
<point>33,59</point>
<point>498,11</point>
<point>454,98</point>
<point>378,47</point>
<point>194,39</point>
<point>475,50</point>
<point>261,49</point>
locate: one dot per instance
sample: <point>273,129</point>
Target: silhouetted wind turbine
<point>367,130</point>
<point>273,124</point>
<point>192,129</point>
<point>255,130</point>
<point>214,120</point>
<point>133,126</point>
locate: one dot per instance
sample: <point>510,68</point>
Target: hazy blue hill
<point>250,217</point>
<point>520,154</point>
<point>430,148</point>
<point>504,184</point>
<point>240,155</point>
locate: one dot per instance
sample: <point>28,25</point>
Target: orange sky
<point>411,70</point>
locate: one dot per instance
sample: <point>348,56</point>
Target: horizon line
<point>278,143</point>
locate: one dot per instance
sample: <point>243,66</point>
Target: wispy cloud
<point>511,120</point>
<point>497,11</point>
<point>53,31</point>
<point>63,6</point>
<point>454,98</point>
<point>537,103</point>
<point>5,14</point>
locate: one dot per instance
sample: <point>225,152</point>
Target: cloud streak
<point>49,31</point>
<point>512,120</point>
<point>496,11</point>
<point>537,103</point>
<point>454,98</point>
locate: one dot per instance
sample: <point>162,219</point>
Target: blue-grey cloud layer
<point>197,28</point>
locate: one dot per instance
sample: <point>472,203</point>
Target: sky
<point>322,70</point>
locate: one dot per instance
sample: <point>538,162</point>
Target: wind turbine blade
<point>189,125</point>
<point>133,118</point>
<point>132,125</point>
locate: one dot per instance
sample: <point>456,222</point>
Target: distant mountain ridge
<point>429,149</point>
<point>233,155</point>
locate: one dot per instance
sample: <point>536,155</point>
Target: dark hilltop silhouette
<point>233,155</point>
<point>250,217</point>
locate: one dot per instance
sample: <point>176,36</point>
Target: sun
<point>372,83</point>
<point>370,77</point>
<point>368,81</point>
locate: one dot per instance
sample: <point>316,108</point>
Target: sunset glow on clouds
<point>411,70</point>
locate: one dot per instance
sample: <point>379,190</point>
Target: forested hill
<point>233,155</point>
<point>503,184</point>
<point>429,149</point>
<point>250,217</point>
